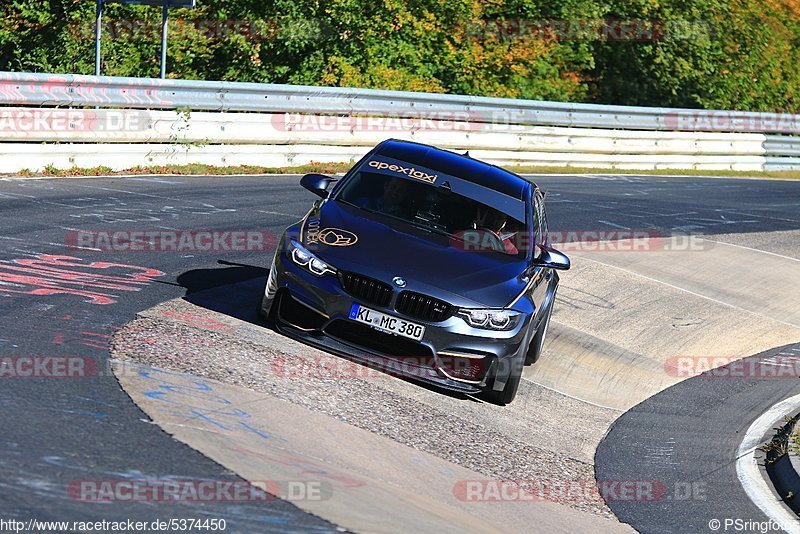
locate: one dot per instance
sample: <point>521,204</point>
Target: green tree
<point>736,54</point>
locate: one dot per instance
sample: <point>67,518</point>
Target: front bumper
<point>451,354</point>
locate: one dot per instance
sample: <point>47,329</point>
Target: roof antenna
<point>467,153</point>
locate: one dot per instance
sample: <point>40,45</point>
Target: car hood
<point>355,240</point>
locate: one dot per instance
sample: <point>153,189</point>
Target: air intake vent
<point>366,289</point>
<point>423,307</point>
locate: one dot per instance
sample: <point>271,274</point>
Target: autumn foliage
<point>732,54</point>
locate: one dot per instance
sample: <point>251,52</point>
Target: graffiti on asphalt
<point>196,399</point>
<point>97,282</point>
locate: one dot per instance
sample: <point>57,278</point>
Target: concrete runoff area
<point>369,483</point>
<point>621,318</point>
<point>783,243</point>
<point>574,437</point>
<point>497,442</point>
<point>721,272</point>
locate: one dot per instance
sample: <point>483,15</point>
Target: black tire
<point>268,318</point>
<point>537,343</point>
<point>260,307</point>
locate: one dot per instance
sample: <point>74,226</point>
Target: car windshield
<point>435,209</point>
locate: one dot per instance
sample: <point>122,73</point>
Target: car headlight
<point>304,258</point>
<point>490,319</point>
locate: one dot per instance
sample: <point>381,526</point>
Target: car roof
<point>458,165</point>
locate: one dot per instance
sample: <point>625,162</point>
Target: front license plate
<point>386,323</point>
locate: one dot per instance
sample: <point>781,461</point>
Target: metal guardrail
<point>70,90</point>
<point>15,157</point>
<point>157,126</point>
<point>146,121</point>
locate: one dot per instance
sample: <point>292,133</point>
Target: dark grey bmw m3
<point>421,262</point>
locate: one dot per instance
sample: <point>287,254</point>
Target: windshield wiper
<point>427,228</point>
<point>433,230</point>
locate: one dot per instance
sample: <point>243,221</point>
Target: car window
<point>434,208</point>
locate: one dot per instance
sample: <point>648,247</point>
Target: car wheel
<point>259,306</point>
<point>268,318</point>
<point>537,343</point>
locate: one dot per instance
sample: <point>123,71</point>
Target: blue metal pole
<point>97,32</point>
<point>164,21</point>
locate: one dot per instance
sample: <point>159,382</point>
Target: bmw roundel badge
<point>399,281</point>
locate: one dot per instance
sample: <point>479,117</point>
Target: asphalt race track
<point>59,431</point>
<point>688,435</point>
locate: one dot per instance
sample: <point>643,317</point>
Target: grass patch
<point>332,168</point>
<point>192,169</point>
<point>794,440</point>
<point>783,441</point>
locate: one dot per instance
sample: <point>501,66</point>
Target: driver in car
<point>491,220</point>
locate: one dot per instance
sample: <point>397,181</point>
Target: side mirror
<point>317,183</point>
<point>552,259</point>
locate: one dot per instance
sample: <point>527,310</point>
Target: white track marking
<point>75,247</point>
<point>280,213</point>
<point>750,248</point>
<point>615,225</point>
<point>573,397</point>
